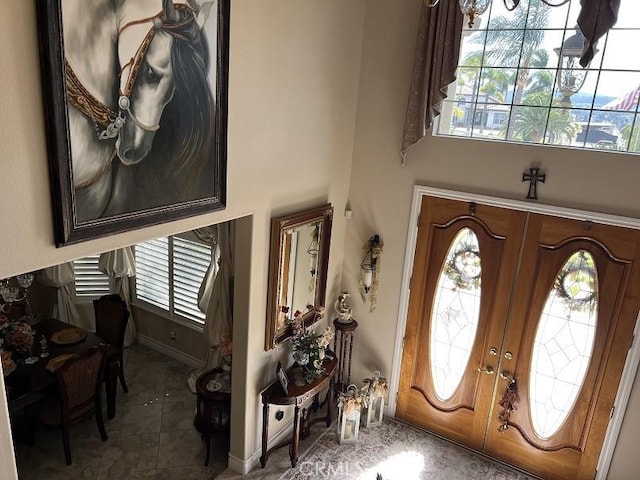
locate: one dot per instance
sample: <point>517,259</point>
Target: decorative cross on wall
<point>533,177</point>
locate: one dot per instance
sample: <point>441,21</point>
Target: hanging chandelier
<point>475,8</point>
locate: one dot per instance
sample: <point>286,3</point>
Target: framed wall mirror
<point>298,260</point>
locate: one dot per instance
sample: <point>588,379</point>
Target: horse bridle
<point>102,114</point>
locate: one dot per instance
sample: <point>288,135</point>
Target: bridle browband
<point>104,116</point>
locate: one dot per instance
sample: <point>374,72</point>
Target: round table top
<point>345,327</point>
<point>207,382</point>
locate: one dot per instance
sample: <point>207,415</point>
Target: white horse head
<point>147,88</point>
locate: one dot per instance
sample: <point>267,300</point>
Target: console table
<point>297,395</point>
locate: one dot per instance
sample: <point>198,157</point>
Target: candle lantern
<point>349,408</point>
<point>375,389</point>
<point>370,271</point>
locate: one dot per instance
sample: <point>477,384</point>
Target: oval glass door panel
<point>456,311</point>
<point>563,344</point>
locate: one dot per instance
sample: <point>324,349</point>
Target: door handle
<point>489,370</point>
<point>507,376</point>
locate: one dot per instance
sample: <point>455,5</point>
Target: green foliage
<point>505,49</point>
<point>536,122</point>
<point>631,137</point>
<point>309,349</point>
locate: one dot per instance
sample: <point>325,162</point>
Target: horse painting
<point>141,113</point>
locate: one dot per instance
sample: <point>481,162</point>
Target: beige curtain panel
<point>62,277</point>
<point>434,68</point>
<point>595,19</point>
<point>215,298</point>
<point>437,52</point>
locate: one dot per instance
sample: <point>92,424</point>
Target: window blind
<point>152,272</point>
<point>190,263</point>
<point>89,281</point>
<point>169,272</point>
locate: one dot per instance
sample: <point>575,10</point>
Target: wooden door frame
<point>633,358</point>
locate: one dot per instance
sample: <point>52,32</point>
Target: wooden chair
<point>112,317</point>
<point>79,381</point>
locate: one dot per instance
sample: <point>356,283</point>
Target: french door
<point>517,333</point>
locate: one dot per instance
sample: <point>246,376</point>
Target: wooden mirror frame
<point>322,215</point>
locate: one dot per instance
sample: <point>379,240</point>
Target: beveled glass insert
<point>563,343</point>
<point>456,311</point>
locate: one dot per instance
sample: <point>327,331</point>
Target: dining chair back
<point>79,381</point>
<point>112,316</point>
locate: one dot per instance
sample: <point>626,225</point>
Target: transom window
<point>511,84</point>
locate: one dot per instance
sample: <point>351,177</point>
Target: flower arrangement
<point>309,349</point>
<point>18,336</point>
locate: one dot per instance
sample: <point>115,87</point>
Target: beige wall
<point>174,335</point>
<point>295,68</point>
<point>292,104</point>
<point>381,188</point>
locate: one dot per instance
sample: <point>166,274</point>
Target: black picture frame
<point>282,378</point>
<point>134,208</point>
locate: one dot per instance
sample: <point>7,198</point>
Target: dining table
<point>31,382</point>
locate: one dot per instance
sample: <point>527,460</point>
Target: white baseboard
<point>169,351</point>
<point>245,466</point>
<point>240,466</point>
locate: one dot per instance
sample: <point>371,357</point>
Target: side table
<point>297,395</point>
<point>343,346</point>
<point>213,411</point>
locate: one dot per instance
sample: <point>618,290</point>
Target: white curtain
<point>62,277</point>
<point>120,264</point>
<point>215,298</point>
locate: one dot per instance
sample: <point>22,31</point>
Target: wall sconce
<point>370,270</point>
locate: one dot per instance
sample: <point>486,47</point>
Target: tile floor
<point>279,462</point>
<point>151,437</point>
<point>458,458</point>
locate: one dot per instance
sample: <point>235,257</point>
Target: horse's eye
<point>150,76</point>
